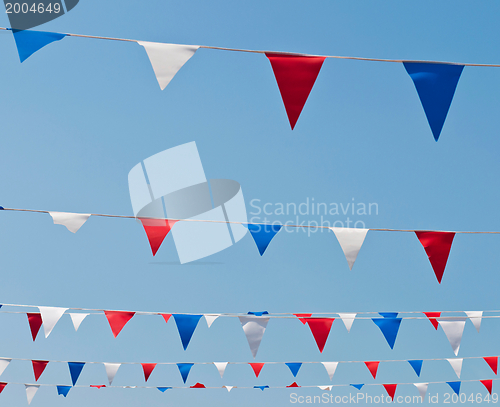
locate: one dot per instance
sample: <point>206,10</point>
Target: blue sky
<point>79,114</point>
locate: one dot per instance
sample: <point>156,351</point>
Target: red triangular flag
<point>488,384</point>
<point>257,367</point>
<point>157,230</point>
<point>320,328</point>
<point>295,76</point>
<point>118,319</point>
<point>166,317</point>
<point>35,321</point>
<point>302,317</point>
<point>432,317</point>
<point>198,386</point>
<point>294,384</point>
<point>492,362</point>
<point>2,386</point>
<point>437,245</point>
<point>391,390</point>
<point>372,367</point>
<point>38,367</point>
<point>148,369</point>
<point>98,386</point>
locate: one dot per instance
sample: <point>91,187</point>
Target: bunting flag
<point>456,364</point>
<point>72,221</point>
<point>390,389</point>
<point>294,368</point>
<point>184,369</point>
<point>31,390</point>
<point>454,329</point>
<point>156,231</point>
<point>228,388</point>
<point>28,42</point>
<point>257,367</point>
<point>111,369</point>
<point>38,367</point>
<point>263,234</point>
<point>351,240</point>
<point>98,386</point>
<point>118,319</point>
<point>422,389</point>
<point>330,367</point>
<point>148,369</point>
<point>373,368</point>
<point>163,389</point>
<point>303,317</point>
<point>389,327</point>
<point>75,368</point>
<point>3,365</point>
<point>221,367</point>
<point>2,386</point>
<point>295,76</point>
<point>357,386</point>
<point>327,388</point>
<point>348,320</point>
<point>437,245</point>
<point>210,318</point>
<point>254,328</point>
<point>488,384</point>
<point>416,365</point>
<point>166,317</point>
<point>294,384</point>
<point>435,84</point>
<point>432,318</point>
<point>475,317</point>
<point>198,386</point>
<point>455,386</point>
<point>320,328</point>
<point>63,390</point>
<point>50,316</point>
<point>261,387</point>
<point>77,319</point>
<point>35,321</point>
<point>167,59</point>
<point>492,362</point>
<point>186,324</point>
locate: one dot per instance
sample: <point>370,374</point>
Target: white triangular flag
<point>3,364</point>
<point>456,364</point>
<point>77,319</point>
<point>454,329</point>
<point>422,389</point>
<point>221,367</point>
<point>111,369</point>
<point>31,390</point>
<point>348,320</point>
<point>73,221</point>
<point>167,59</point>
<point>210,318</point>
<point>50,316</point>
<point>475,317</point>
<point>254,328</point>
<point>330,368</point>
<point>351,240</point>
<point>325,388</point>
<point>229,388</point>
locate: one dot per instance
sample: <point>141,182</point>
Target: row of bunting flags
<point>295,73</point>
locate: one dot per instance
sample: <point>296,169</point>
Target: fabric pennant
<point>167,59</point>
<point>28,42</point>
<point>3,365</point>
<point>63,390</point>
<point>416,365</point>
<point>492,362</point>
<point>31,390</point>
<point>228,388</point>
<point>163,389</point>
<point>437,245</point>
<point>254,328</point>
<point>2,386</point>
<point>38,367</point>
<point>186,324</point>
<point>98,386</point>
<point>210,318</point>
<point>488,384</point>
<point>422,389</point>
<point>294,384</point>
<point>433,318</point>
<point>455,386</point>
<point>351,240</point>
<point>330,367</point>
<point>257,367</point>
<point>295,76</point>
<point>435,84</point>
<point>75,368</point>
<point>111,369</point>
<point>390,389</point>
<point>156,231</point>
<point>261,387</point>
<point>303,317</point>
<point>77,319</point>
<point>456,364</point>
<point>476,318</point>
<point>198,386</point>
<point>72,221</point>
<point>348,320</point>
<point>50,316</point>
<point>148,369</point>
<point>373,368</point>
<point>166,317</point>
<point>294,368</point>
<point>263,234</point>
<point>35,321</point>
<point>320,328</point>
<point>118,319</point>
<point>454,329</point>
<point>389,327</point>
<point>184,369</point>
<point>325,388</point>
<point>357,386</point>
<point>221,367</point>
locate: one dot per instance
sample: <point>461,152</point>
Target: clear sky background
<point>80,113</point>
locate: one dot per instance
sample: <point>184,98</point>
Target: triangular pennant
<point>77,319</point>
<point>389,327</point>
<point>294,368</point>
<point>416,365</point>
<point>475,317</point>
<point>3,365</point>
<point>454,329</point>
<point>295,76</point>
<point>198,386</point>
<point>148,369</point>
<point>75,368</point>
<point>111,369</point>
<point>303,317</point>
<point>432,317</point>
<point>263,234</point>
<point>348,320</point>
<point>2,386</point>
<point>320,328</point>
<point>167,59</point>
<point>390,389</point>
<point>28,42</point>
<point>38,367</point>
<point>488,384</point>
<point>351,240</point>
<point>184,369</point>
<point>186,324</point>
<point>50,316</point>
<point>456,364</point>
<point>221,367</point>
<point>35,321</point>
<point>72,221</point>
<point>257,367</point>
<point>437,245</point>
<point>422,389</point>
<point>389,314</point>
<point>166,317</point>
<point>31,390</point>
<point>294,384</point>
<point>330,367</point>
<point>455,386</point>
<point>228,388</point>
<point>118,319</point>
<point>435,84</point>
<point>357,386</point>
<point>373,368</point>
<point>261,387</point>
<point>254,328</point>
<point>258,313</point>
<point>156,231</point>
<point>63,390</point>
<point>163,389</point>
<point>210,318</point>
<point>98,386</point>
<point>492,362</point>
<point>327,388</point>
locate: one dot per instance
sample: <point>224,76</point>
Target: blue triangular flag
<point>389,314</point>
<point>357,386</point>
<point>435,84</point>
<point>162,389</point>
<point>75,368</point>
<point>263,234</point>
<point>389,327</point>
<point>416,365</point>
<point>261,387</point>
<point>186,324</point>
<point>294,368</point>
<point>455,386</point>
<point>63,390</point>
<point>258,314</point>
<point>29,42</point>
<point>184,368</point>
